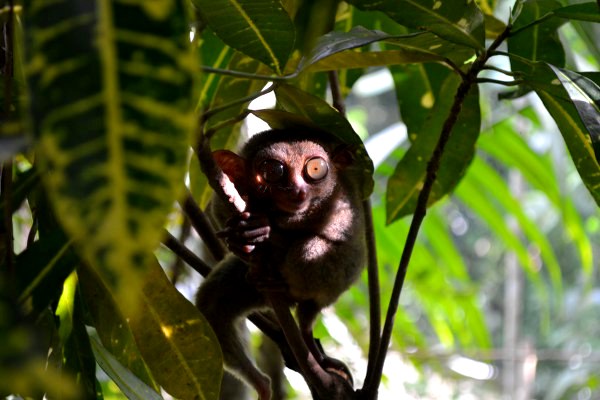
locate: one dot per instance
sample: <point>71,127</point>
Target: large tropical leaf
<point>111,326</point>
<point>260,29</point>
<point>536,42</point>
<point>405,184</point>
<point>129,384</point>
<point>458,21</point>
<point>111,106</point>
<point>176,341</point>
<point>585,96</point>
<point>575,132</point>
<point>417,89</point>
<point>583,12</point>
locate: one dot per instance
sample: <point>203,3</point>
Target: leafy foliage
<point>95,153</point>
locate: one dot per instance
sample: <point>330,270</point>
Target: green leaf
<point>457,21</point>
<point>536,41</point>
<point>215,54</point>
<point>585,96</point>
<point>417,89</point>
<point>334,50</point>
<point>176,341</point>
<point>130,385</point>
<point>581,12</point>
<point>260,29</point>
<point>112,112</point>
<point>111,325</point>
<point>577,137</point>
<point>321,114</point>
<point>64,308</point>
<point>405,184</point>
<point>42,269</point>
<point>77,355</point>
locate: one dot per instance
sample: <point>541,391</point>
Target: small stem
<point>336,93</point>
<point>6,186</point>
<point>248,75</point>
<point>502,71</point>
<point>374,291</point>
<point>208,134</point>
<point>516,82</point>
<point>213,111</point>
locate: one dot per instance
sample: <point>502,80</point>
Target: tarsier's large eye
<point>271,170</point>
<point>316,168</point>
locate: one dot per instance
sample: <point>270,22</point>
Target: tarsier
<point>303,224</point>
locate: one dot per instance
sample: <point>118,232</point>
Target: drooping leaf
<point>112,111</point>
<point>536,42</point>
<point>577,136</point>
<point>405,185</point>
<point>457,21</point>
<point>77,355</point>
<point>334,50</point>
<point>111,326</point>
<point>582,12</point>
<point>260,29</point>
<point>176,341</point>
<point>130,385</point>
<point>585,96</point>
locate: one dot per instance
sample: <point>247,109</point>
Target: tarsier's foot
<point>335,366</point>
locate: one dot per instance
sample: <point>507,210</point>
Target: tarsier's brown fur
<point>303,225</point>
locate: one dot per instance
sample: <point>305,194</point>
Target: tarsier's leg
<point>308,312</point>
<point>224,299</point>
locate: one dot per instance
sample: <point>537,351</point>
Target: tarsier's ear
<point>343,156</point>
<point>232,165</point>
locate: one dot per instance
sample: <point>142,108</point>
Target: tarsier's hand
<point>243,232</point>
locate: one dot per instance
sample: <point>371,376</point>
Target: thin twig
<point>502,71</point>
<point>370,387</point>
<point>177,266</point>
<point>209,133</point>
<point>248,75</point>
<point>216,110</point>
<point>515,82</point>
<point>374,291</point>
<point>6,183</point>
<point>336,92</point>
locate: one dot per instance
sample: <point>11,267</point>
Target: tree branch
<point>370,387</point>
<point>186,254</point>
<point>203,226</point>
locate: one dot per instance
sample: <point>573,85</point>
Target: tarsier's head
<point>292,173</point>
